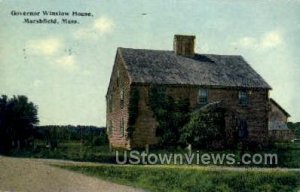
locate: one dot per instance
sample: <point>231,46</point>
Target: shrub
<point>205,129</point>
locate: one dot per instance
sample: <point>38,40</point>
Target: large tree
<point>18,117</point>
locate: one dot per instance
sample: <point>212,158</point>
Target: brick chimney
<point>184,45</point>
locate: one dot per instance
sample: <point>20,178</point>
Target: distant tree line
<point>19,127</point>
<point>53,134</point>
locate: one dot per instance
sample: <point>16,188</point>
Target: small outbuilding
<point>278,118</point>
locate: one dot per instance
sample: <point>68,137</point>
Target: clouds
<point>53,51</point>
<point>67,62</point>
<point>101,26</point>
<point>270,39</point>
<point>47,47</point>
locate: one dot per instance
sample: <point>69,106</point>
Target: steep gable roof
<point>164,67</point>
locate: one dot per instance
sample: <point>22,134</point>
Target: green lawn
<point>69,151</point>
<point>182,178</point>
<point>288,153</point>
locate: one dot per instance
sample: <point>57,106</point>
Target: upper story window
<point>243,98</point>
<point>122,98</point>
<point>203,96</point>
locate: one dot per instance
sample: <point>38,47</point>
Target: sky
<point>65,68</point>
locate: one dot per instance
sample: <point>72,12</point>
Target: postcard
<point>143,95</point>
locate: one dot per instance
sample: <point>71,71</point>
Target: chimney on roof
<point>184,45</point>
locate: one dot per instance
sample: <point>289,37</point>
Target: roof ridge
<point>163,50</point>
<point>140,49</point>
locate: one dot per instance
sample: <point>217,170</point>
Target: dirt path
<point>21,174</point>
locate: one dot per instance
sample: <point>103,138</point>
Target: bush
<point>205,129</point>
<point>295,127</point>
<point>100,140</point>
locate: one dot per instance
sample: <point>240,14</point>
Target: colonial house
<point>203,79</point>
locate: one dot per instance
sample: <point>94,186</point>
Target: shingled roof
<point>165,67</point>
<point>279,107</point>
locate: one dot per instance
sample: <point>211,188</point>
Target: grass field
<point>288,153</point>
<point>69,151</point>
<point>178,178</point>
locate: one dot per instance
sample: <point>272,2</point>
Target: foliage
<point>54,134</point>
<point>133,110</point>
<point>74,150</point>
<point>295,127</point>
<point>165,178</point>
<point>205,129</point>
<point>171,115</point>
<point>288,153</point>
<point>18,116</point>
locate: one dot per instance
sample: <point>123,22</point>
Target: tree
<point>205,129</point>
<point>18,117</point>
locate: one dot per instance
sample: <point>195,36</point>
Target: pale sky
<point>65,69</point>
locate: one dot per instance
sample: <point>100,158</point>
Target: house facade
<point>201,78</point>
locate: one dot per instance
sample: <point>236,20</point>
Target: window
<point>243,98</point>
<point>203,96</point>
<point>122,98</point>
<point>122,129</point>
